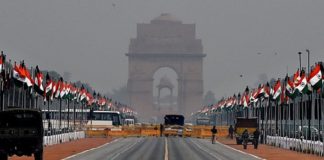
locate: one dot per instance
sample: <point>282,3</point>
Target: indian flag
<point>19,75</point>
<point>290,89</point>
<point>296,78</point>
<point>2,60</point>
<point>246,100</point>
<point>302,85</point>
<point>277,90</point>
<point>38,82</point>
<point>315,77</point>
<point>28,80</point>
<point>48,88</point>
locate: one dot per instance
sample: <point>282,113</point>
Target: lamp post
<point>310,97</point>
<point>301,98</point>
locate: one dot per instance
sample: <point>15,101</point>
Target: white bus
<point>101,120</point>
<point>80,120</point>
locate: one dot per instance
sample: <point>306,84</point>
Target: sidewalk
<point>60,151</point>
<point>269,152</point>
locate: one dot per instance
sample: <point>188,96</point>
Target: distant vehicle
<point>203,121</point>
<point>174,120</point>
<point>129,122</point>
<point>100,120</point>
<point>21,133</point>
<point>173,125</point>
<point>242,123</point>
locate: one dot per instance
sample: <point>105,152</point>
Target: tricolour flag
<point>277,90</point>
<point>315,77</point>
<point>29,82</point>
<point>19,74</point>
<point>246,100</point>
<point>48,88</point>
<point>38,81</point>
<point>291,92</point>
<point>302,84</point>
<point>296,77</point>
<point>2,61</point>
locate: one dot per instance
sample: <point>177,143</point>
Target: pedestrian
<point>231,131</point>
<point>214,132</point>
<point>161,130</point>
<point>245,137</point>
<point>256,135</point>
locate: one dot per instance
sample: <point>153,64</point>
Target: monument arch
<point>165,42</point>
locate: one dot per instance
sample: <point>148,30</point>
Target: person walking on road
<point>214,132</point>
<point>245,137</point>
<point>230,131</point>
<point>256,135</point>
<point>161,130</point>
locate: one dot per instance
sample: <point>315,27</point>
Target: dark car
<point>21,133</point>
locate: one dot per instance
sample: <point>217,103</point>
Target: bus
<point>99,120</point>
<point>81,119</point>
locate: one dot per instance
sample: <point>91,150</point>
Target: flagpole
<point>60,113</point>
<point>264,127</point>
<point>74,114</point>
<point>294,111</point>
<point>281,116</point>
<point>267,119</point>
<point>49,116</point>
<point>36,101</point>
<point>276,116</point>
<point>68,114</point>
<point>2,80</point>
<point>270,116</point>
<point>1,93</point>
<point>82,106</point>
<point>319,104</point>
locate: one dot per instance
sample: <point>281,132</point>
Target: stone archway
<point>165,83</point>
<point>165,42</point>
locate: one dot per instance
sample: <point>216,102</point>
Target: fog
<point>246,41</point>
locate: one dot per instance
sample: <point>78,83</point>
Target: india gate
<point>165,42</point>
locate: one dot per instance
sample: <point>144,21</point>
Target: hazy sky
<point>89,38</point>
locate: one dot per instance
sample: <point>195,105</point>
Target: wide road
<point>160,148</point>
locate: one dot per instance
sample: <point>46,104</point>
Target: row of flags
<point>281,91</point>
<point>50,89</point>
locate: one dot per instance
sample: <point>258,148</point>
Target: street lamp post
<point>301,98</point>
<point>309,104</point>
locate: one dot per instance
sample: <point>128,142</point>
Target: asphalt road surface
<point>161,148</point>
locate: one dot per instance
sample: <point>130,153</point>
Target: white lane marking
<point>166,152</point>
<point>75,155</point>
<point>241,151</point>
<point>127,148</point>
<point>210,153</point>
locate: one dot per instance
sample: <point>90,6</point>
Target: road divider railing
<point>155,130</point>
<point>299,145</point>
<point>203,131</point>
<point>61,138</point>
